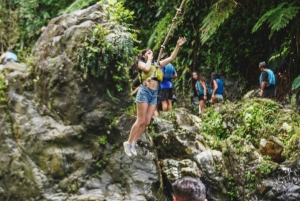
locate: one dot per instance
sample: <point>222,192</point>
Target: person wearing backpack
<point>217,88</point>
<point>267,81</point>
<point>166,87</point>
<point>199,87</point>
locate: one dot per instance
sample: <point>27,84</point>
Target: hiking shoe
<point>127,148</point>
<point>133,148</point>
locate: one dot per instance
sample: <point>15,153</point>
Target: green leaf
<point>115,100</point>
<point>296,83</point>
<point>220,11</point>
<point>77,5</point>
<point>278,17</point>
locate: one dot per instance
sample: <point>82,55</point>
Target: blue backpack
<point>199,88</point>
<point>168,71</point>
<point>271,78</point>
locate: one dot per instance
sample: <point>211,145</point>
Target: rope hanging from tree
<point>162,47</point>
<point>174,21</point>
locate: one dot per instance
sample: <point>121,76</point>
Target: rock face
<point>272,148</point>
<point>60,85</point>
<point>59,141</point>
<point>61,135</point>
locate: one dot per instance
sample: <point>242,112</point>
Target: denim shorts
<point>146,95</point>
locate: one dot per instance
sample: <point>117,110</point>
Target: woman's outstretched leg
<point>137,127</point>
<point>150,111</point>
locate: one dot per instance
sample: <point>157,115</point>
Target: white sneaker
<point>127,148</point>
<point>133,148</point>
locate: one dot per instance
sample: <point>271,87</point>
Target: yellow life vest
<point>157,75</point>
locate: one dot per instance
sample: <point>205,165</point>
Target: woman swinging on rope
<point>146,98</point>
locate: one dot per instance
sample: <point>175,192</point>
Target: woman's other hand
<point>149,55</point>
<point>181,41</point>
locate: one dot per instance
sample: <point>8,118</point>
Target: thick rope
<point>174,21</point>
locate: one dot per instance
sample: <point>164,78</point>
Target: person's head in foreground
<point>188,189</point>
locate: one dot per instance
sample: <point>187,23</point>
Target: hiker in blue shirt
<point>8,56</point>
<point>218,88</point>
<point>166,87</point>
<point>266,81</point>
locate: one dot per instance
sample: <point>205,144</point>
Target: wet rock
<point>272,148</point>
<point>177,169</point>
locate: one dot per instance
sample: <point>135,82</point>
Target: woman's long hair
<point>214,76</point>
<point>135,69</point>
<point>140,57</point>
<point>199,78</point>
<point>134,65</point>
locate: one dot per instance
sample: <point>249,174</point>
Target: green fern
<point>278,17</point>
<point>78,5</point>
<point>220,11</point>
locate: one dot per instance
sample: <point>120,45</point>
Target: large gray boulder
<point>62,135</point>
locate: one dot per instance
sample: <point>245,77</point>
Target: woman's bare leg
<point>164,104</point>
<point>139,124</point>
<point>202,104</point>
<point>150,111</point>
<point>170,106</point>
<point>155,113</point>
<point>199,106</point>
<point>214,100</point>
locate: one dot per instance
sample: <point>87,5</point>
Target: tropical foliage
<point>227,36</point>
<point>106,53</point>
<point>278,17</point>
<point>77,5</point>
<point>251,120</point>
<point>231,38</point>
<point>220,11</point>
<point>107,50</point>
<point>21,21</point>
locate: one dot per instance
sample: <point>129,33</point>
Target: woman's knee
<point>147,124</point>
<point>140,123</point>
